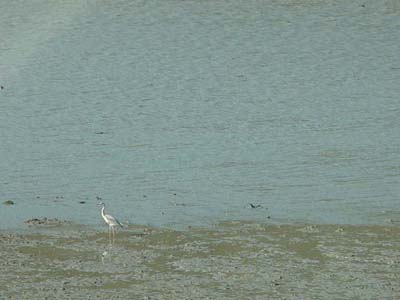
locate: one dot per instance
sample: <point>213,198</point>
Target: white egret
<point>111,222</point>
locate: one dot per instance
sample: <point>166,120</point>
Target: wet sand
<point>232,260</point>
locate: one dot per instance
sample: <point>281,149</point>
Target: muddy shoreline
<point>231,260</point>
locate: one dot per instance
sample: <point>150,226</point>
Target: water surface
<point>185,112</point>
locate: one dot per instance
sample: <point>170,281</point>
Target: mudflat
<point>231,260</point>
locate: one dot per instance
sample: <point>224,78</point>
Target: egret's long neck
<point>102,211</point>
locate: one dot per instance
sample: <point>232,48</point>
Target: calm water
<point>184,112</point>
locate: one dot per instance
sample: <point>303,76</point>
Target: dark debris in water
<point>45,221</point>
<point>255,205</point>
<point>8,202</point>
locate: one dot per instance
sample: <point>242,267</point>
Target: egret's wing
<point>113,221</point>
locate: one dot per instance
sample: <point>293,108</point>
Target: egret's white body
<point>111,222</point>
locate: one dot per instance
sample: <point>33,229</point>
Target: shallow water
<point>184,112</point>
<point>231,260</point>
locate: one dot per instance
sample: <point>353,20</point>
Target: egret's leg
<point>109,234</point>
